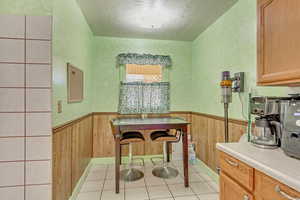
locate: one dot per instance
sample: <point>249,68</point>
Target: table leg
<point>168,151</point>
<point>185,156</point>
<point>117,161</point>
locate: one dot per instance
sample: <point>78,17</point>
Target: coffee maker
<point>290,120</point>
<point>266,131</point>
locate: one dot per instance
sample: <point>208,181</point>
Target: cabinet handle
<point>246,197</point>
<point>285,195</point>
<point>232,163</point>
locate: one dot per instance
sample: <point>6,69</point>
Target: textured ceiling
<point>152,19</point>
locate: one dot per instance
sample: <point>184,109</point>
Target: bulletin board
<point>75,84</point>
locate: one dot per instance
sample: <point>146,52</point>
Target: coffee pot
<point>266,132</point>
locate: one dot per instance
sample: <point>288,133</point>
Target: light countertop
<point>271,162</point>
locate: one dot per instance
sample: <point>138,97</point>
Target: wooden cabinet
<point>268,188</point>
<point>236,176</point>
<point>278,42</point>
<point>231,190</point>
<point>239,171</point>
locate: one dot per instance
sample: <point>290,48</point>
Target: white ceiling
<point>152,19</point>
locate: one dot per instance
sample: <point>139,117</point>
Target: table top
<point>148,121</point>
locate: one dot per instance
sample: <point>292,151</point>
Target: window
<point>143,73</point>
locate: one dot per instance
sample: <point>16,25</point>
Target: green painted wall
<point>106,75</point>
<point>228,44</point>
<point>72,42</point>
<point>26,7</point>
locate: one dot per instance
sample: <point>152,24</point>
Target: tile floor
<point>99,185</point>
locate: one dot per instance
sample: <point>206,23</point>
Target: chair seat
<point>162,136</point>
<point>131,137</point>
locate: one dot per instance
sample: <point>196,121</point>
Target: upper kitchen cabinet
<point>278,42</point>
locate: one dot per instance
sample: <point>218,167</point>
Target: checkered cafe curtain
<point>140,97</point>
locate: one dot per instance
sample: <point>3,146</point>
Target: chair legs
<point>131,174</point>
<point>165,171</point>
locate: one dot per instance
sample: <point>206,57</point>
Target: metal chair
<point>128,138</point>
<point>165,171</point>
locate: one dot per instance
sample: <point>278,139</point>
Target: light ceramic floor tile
<point>92,186</point>
<point>135,184</point>
<point>202,188</point>
<point>180,190</point>
<point>214,185</point>
<point>111,195</point>
<point>136,194</point>
<point>177,180</point>
<point>195,178</point>
<point>205,176</point>
<point>209,196</point>
<point>110,185</point>
<point>187,198</point>
<point>96,175</point>
<point>157,192</point>
<point>153,181</point>
<point>89,196</point>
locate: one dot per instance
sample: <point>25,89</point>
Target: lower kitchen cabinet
<point>231,190</point>
<point>239,181</point>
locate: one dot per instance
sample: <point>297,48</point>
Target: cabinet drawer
<point>268,188</point>
<point>230,190</point>
<point>237,170</point>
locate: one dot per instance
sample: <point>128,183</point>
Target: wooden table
<point>125,124</point>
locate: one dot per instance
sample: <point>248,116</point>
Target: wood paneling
<point>75,142</point>
<point>62,153</point>
<point>207,130</point>
<point>82,148</point>
<point>104,142</point>
<point>72,151</point>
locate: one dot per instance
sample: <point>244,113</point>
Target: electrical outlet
<point>59,106</point>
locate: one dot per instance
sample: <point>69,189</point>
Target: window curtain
<point>139,97</point>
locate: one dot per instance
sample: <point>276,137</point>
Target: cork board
<point>75,84</point>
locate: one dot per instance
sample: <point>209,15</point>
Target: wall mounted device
<point>229,85</point>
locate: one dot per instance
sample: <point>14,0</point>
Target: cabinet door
<point>268,188</point>
<point>230,190</point>
<point>278,42</point>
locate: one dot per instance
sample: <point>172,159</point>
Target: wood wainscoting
<point>207,130</point>
<point>72,151</point>
<point>104,141</point>
<point>76,142</point>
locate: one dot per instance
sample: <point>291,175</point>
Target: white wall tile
<point>12,100</point>
<point>12,75</point>
<point>11,149</point>
<point>38,27</point>
<point>12,173</point>
<point>38,172</point>
<point>38,100</point>
<point>38,76</point>
<point>38,51</point>
<point>38,148</point>
<point>11,124</point>
<point>12,26</point>
<point>38,124</point>
<point>12,50</point>
<point>12,193</point>
<point>38,192</point>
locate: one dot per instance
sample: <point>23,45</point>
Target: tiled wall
<point>25,107</point>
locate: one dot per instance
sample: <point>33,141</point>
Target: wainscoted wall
<point>207,130</point>
<point>25,107</point>
<point>76,142</point>
<point>72,151</point>
<point>104,142</point>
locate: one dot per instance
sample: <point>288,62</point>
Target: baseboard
<point>80,182</point>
